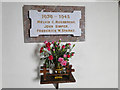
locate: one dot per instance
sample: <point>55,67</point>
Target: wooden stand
<point>48,78</point>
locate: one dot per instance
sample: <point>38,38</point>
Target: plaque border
<point>53,8</point>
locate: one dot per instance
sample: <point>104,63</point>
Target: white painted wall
<point>118,43</point>
<point>95,61</point>
<point>0,45</point>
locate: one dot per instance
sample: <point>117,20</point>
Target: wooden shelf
<point>50,80</point>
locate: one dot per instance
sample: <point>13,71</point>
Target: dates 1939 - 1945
<point>51,16</point>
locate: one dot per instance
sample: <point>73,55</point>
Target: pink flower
<point>50,57</point>
<point>63,46</point>
<point>64,63</point>
<point>56,46</point>
<point>64,55</point>
<point>53,49</point>
<point>60,59</point>
<point>46,42</point>
<point>48,49</point>
<point>52,42</point>
<point>60,38</point>
<point>69,44</point>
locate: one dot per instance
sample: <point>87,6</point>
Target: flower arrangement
<point>56,53</point>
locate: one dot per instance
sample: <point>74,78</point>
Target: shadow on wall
<point>38,60</point>
<point>119,3</point>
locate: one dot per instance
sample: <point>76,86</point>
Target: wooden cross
<point>69,70</point>
<point>67,66</point>
<point>44,71</point>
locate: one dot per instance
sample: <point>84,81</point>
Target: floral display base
<point>56,78</point>
<point>52,80</point>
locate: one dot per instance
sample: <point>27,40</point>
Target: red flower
<point>52,42</point>
<point>69,44</point>
<point>48,49</point>
<point>41,50</point>
<point>68,56</point>
<point>48,44</point>
<point>63,46</point>
<point>72,54</point>
<point>50,57</point>
<point>45,42</point>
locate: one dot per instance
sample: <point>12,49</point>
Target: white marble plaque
<point>55,23</point>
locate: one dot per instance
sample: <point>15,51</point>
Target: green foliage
<point>56,50</point>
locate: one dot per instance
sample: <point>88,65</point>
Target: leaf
<point>47,65</point>
<point>44,46</point>
<point>74,45</point>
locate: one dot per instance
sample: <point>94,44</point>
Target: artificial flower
<point>52,42</point>
<point>50,57</point>
<point>68,56</point>
<point>64,55</point>
<point>48,44</point>
<point>56,52</point>
<point>69,44</point>
<point>72,54</point>
<point>48,49</point>
<point>41,50</point>
<point>60,59</point>
<point>63,46</point>
<point>64,63</point>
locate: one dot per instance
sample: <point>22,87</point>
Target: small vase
<point>59,69</point>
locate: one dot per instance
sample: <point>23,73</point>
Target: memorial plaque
<point>53,22</point>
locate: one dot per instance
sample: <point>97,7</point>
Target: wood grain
<point>51,80</point>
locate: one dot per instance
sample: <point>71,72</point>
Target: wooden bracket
<point>44,71</point>
<point>50,78</point>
